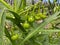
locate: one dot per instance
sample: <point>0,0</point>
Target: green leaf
<point>2,23</point>
<point>23,4</point>
<point>15,15</point>
<point>48,20</point>
<point>17,21</point>
<point>17,4</point>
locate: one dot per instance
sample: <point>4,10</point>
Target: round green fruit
<point>26,25</point>
<point>31,19</point>
<point>37,17</point>
<point>43,16</point>
<point>15,37</point>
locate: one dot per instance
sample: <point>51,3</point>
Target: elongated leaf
<point>23,4</point>
<point>2,22</point>
<point>48,20</point>
<point>15,15</point>
<point>17,21</point>
<point>17,4</point>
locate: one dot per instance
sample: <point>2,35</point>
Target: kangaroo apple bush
<point>23,29</point>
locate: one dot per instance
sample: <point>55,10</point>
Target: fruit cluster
<point>33,18</point>
<point>28,20</point>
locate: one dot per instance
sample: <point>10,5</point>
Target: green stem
<point>29,8</point>
<point>6,4</point>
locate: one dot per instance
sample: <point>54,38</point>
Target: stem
<point>6,4</point>
<point>29,8</point>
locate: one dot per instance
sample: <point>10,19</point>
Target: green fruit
<point>31,19</point>
<point>43,16</point>
<point>37,17</point>
<point>15,37</point>
<point>26,25</point>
